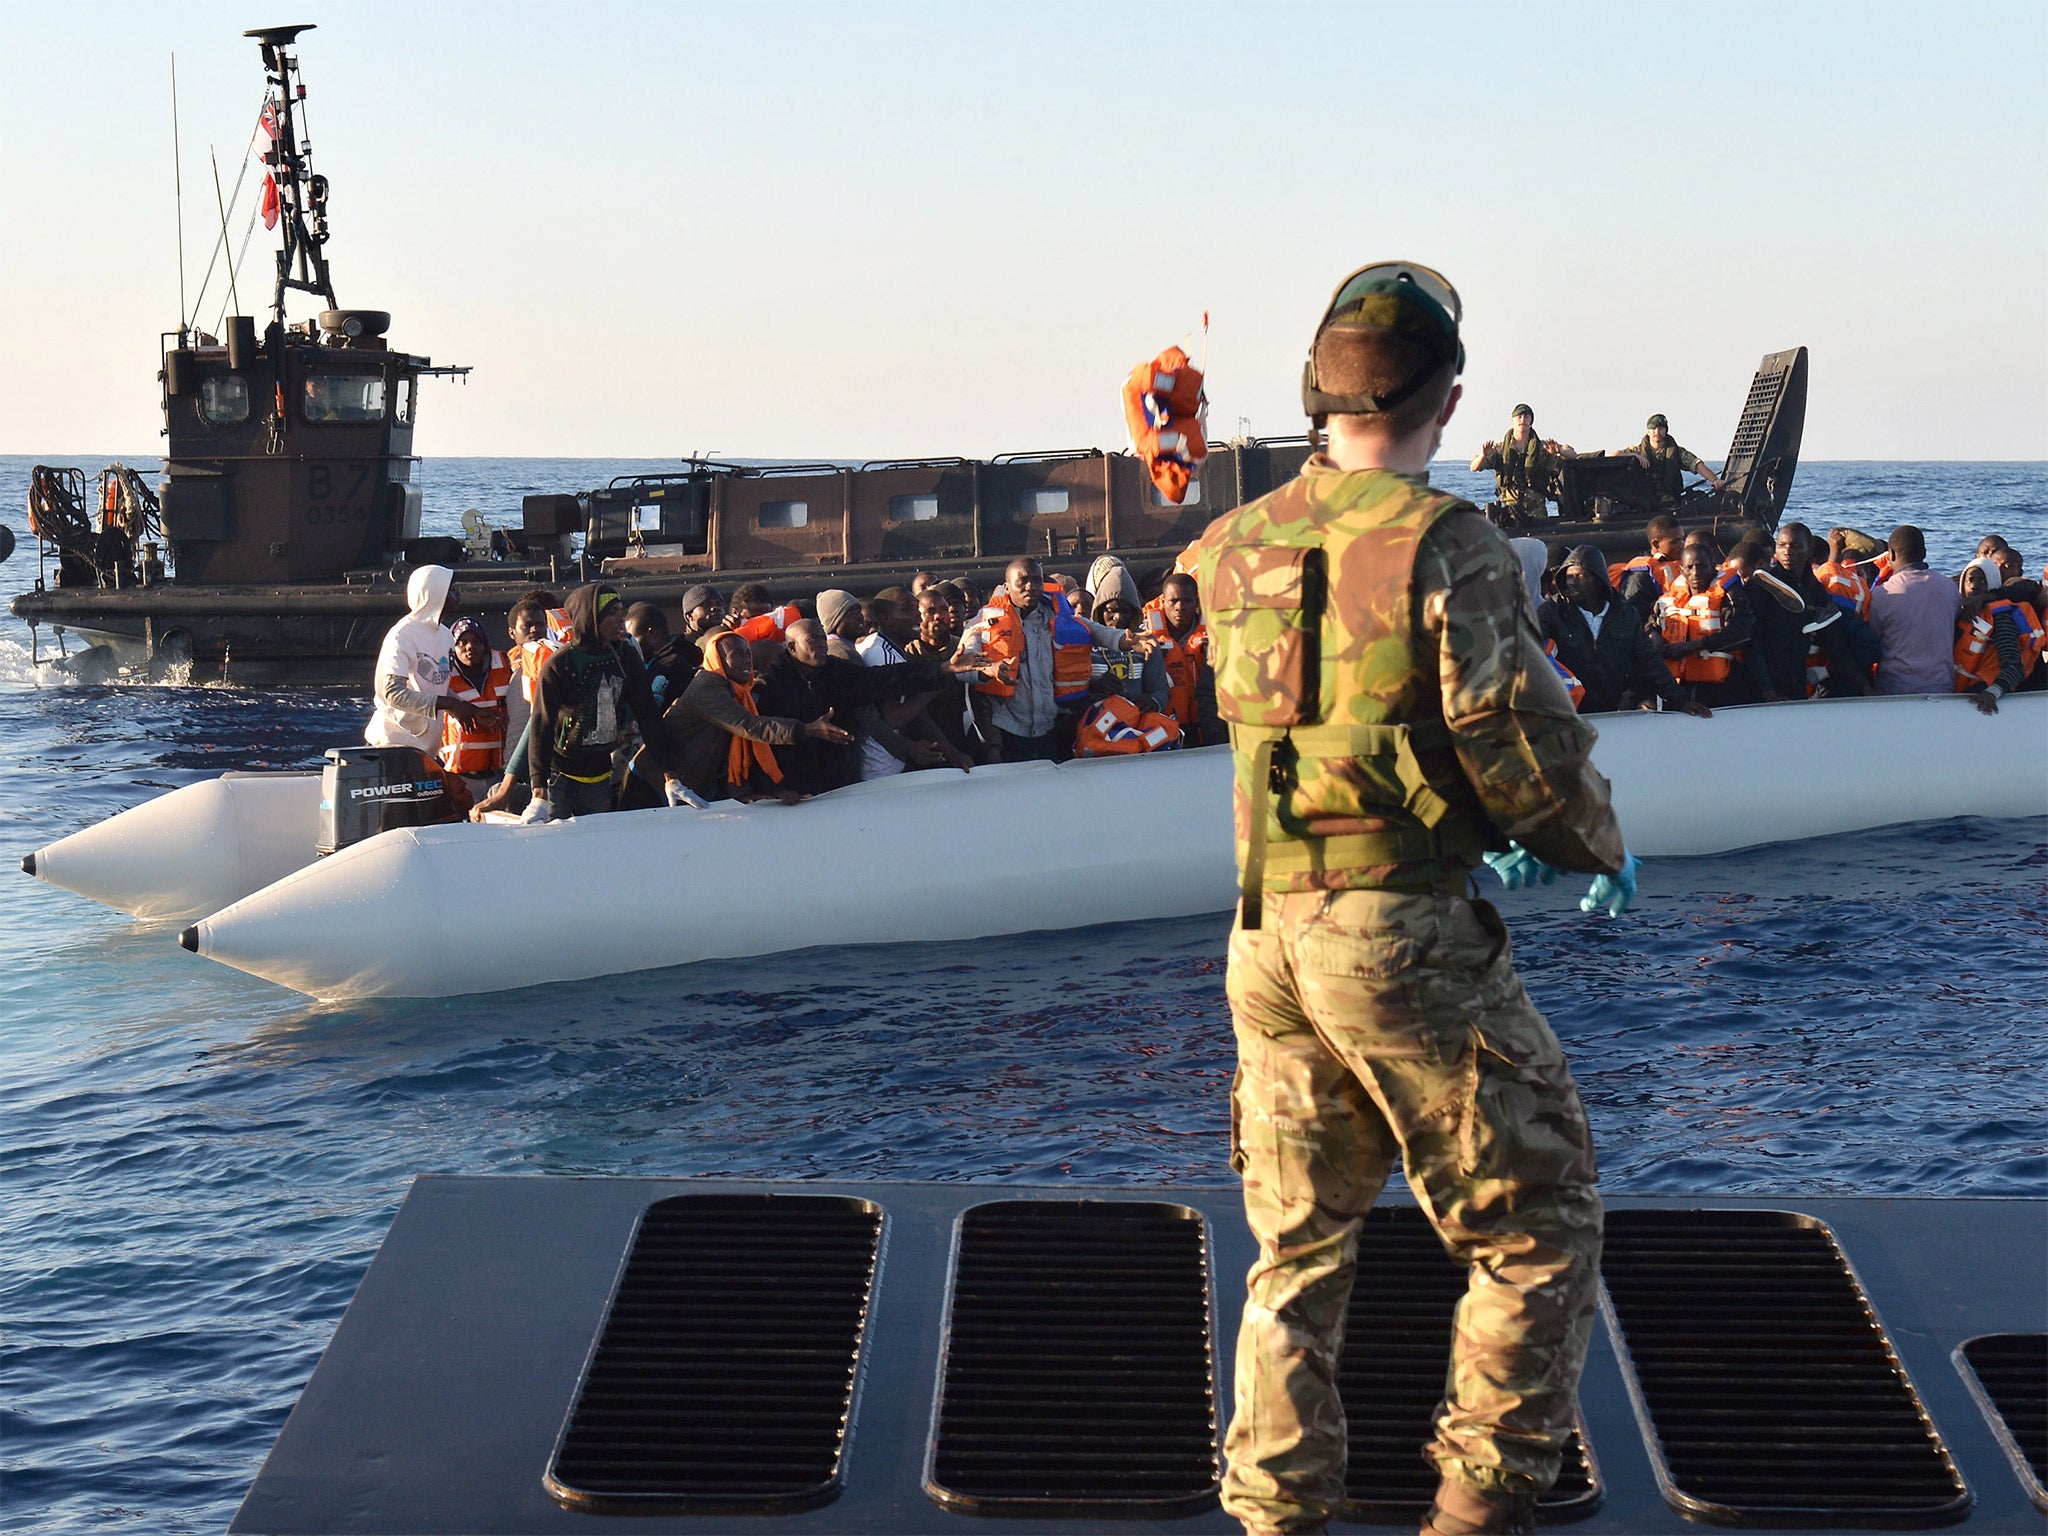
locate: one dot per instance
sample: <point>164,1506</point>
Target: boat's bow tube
<point>1009,849</point>
<point>1006,849</point>
<point>192,851</point>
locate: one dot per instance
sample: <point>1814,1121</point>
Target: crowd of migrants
<point>1688,625</point>
<point>600,706</point>
<point>1691,625</point>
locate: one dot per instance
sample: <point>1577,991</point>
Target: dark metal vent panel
<point>1078,1376</point>
<point>723,1375</point>
<point>1767,1389</point>
<point>1397,1347</point>
<point>2008,1375</point>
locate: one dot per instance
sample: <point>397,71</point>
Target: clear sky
<point>889,230</point>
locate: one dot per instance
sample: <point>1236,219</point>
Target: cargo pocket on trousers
<point>1237,1159</point>
<point>1368,965</point>
<point>1523,1117</point>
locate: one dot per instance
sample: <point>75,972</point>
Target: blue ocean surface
<point>197,1166</point>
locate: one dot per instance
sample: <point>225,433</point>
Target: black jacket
<point>1781,643</point>
<point>1623,659</point>
<point>699,728</point>
<point>581,709</point>
<point>669,670</point>
<point>802,694</point>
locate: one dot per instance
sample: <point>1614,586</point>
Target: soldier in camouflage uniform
<point>1393,715</point>
<point>1667,463</point>
<point>1523,465</point>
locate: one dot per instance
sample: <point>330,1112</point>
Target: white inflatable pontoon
<point>418,912</point>
<point>188,853</point>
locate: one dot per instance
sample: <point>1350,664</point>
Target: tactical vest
<point>1343,762</point>
<point>1667,475</point>
<point>1518,481</point>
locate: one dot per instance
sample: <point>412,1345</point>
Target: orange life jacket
<point>1565,674</point>
<point>1162,409</point>
<point>1687,615</point>
<point>1184,660</point>
<point>1663,572</point>
<point>772,625</point>
<point>1113,727</point>
<point>534,655</point>
<point>999,629</point>
<point>1976,658</point>
<point>1848,586</point>
<point>477,746</point>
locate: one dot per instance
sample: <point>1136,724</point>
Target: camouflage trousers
<point>1373,1025</point>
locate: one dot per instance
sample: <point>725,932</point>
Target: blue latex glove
<point>1520,869</point>
<point>1617,893</point>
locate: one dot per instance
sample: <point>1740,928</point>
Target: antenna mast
<point>301,196</point>
<point>232,294</point>
<point>178,182</point>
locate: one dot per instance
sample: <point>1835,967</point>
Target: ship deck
<point>437,1405</point>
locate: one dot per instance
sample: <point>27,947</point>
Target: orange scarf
<point>745,753</point>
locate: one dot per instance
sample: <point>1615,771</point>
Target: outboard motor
<point>367,790</point>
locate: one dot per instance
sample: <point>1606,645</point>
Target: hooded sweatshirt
<point>1110,579</point>
<point>1617,660</point>
<point>585,697</point>
<point>412,667</point>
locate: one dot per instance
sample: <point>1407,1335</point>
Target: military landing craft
<point>276,545</point>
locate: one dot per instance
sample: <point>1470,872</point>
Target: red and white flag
<point>266,141</point>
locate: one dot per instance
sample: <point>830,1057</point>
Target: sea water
<point>197,1166</point>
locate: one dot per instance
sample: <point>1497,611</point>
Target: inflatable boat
<point>418,912</point>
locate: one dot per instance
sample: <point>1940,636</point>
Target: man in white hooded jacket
<point>412,667</point>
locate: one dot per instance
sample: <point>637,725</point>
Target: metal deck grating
<point>2008,1375</point>
<point>1078,1375</point>
<point>1396,1352</point>
<point>723,1375</point>
<point>1767,1389</point>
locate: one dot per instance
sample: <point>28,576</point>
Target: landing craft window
<point>913,509</point>
<point>1044,503</point>
<point>224,400</point>
<point>401,407</point>
<point>785,514</point>
<point>345,397</point>
<point>1159,497</point>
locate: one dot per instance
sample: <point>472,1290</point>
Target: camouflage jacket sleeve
<point>1691,462</point>
<point>1521,743</point>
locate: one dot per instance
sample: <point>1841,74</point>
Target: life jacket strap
<point>1441,835</point>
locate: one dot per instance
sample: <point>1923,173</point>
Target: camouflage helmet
<point>1414,302</point>
<point>1658,421</point>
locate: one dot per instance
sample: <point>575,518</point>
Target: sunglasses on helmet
<point>1431,283</point>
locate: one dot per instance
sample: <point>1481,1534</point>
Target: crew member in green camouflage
<point>1392,716</point>
<point>1667,463</point>
<point>1523,465</point>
